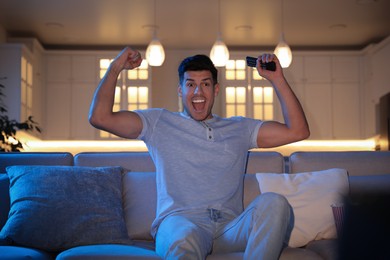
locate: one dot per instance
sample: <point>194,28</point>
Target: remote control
<point>251,62</point>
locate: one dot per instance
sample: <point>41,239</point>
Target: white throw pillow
<point>310,194</point>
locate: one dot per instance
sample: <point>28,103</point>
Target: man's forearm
<point>103,100</point>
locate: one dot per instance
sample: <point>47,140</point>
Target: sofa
<point>367,173</point>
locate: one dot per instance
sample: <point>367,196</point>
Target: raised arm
<point>295,126</point>
<point>125,124</point>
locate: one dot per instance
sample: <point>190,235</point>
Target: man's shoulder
<point>238,119</point>
<point>156,113</point>
<point>153,111</point>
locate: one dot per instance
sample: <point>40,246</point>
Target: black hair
<point>197,63</point>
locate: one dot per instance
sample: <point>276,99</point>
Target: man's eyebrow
<point>205,79</point>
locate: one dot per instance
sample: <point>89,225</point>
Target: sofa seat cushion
<point>108,252</point>
<point>290,253</point>
<point>326,248</point>
<point>226,256</point>
<point>311,195</point>
<point>21,253</point>
<point>54,208</point>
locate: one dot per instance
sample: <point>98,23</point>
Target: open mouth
<point>198,104</point>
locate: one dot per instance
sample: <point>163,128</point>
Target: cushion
<point>54,208</point>
<point>140,202</point>
<point>23,253</point>
<point>310,195</point>
<point>109,252</point>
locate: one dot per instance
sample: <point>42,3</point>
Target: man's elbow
<point>303,134</point>
<point>95,121</point>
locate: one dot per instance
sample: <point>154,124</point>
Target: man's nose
<point>198,89</point>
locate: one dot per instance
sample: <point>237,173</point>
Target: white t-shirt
<point>199,164</point>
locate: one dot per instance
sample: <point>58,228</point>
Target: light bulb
<point>219,53</point>
<point>283,52</point>
<point>155,54</point>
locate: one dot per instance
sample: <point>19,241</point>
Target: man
<point>200,160</point>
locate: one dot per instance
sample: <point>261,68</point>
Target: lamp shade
<point>283,52</point>
<point>155,54</point>
<point>219,53</point>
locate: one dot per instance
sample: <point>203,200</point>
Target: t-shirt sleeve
<point>254,130</point>
<point>149,119</point>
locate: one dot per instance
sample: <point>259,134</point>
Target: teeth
<point>198,100</point>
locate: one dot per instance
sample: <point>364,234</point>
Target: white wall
<point>380,58</point>
<point>324,70</point>
<point>376,75</point>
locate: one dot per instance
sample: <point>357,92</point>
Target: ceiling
<point>187,24</point>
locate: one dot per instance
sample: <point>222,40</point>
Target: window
<point>263,103</point>
<point>26,88</point>
<point>235,70</point>
<point>132,90</point>
<point>137,97</point>
<point>235,101</point>
<point>246,92</point>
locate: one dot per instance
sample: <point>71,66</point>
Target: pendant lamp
<point>219,52</point>
<point>282,50</point>
<point>155,54</point>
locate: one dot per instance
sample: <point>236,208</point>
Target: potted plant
<point>8,128</point>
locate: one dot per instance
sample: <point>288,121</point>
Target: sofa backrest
<point>130,161</point>
<point>357,163</point>
<point>35,158</point>
<point>260,161</point>
<point>369,171</point>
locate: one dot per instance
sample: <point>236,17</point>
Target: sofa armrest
<point>4,199</point>
<point>378,184</point>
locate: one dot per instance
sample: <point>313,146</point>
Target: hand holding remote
<point>251,62</point>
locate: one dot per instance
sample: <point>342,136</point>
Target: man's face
<point>197,92</point>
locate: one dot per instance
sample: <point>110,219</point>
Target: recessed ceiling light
<point>150,27</point>
<point>54,25</point>
<point>243,28</point>
<point>339,26</point>
<point>365,2</point>
<point>70,38</point>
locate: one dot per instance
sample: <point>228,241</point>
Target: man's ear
<point>179,90</point>
<point>216,89</point>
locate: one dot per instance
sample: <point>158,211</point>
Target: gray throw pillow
<point>54,208</point>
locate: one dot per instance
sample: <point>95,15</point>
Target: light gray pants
<point>262,231</point>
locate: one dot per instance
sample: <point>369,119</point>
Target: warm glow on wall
<point>139,146</point>
<point>84,146</point>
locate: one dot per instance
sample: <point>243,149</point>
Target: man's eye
<point>190,85</point>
